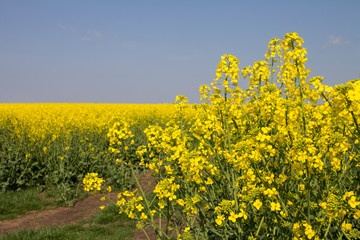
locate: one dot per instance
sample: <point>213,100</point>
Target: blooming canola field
<point>52,145</point>
<point>278,160</point>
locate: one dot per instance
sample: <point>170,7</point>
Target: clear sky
<point>151,51</point>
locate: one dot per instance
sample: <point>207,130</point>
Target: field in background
<point>52,146</point>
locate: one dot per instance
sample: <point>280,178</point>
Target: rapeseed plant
<point>268,162</point>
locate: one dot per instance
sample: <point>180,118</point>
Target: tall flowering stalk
<point>268,162</point>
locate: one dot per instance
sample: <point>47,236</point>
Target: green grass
<point>106,224</point>
<point>14,203</point>
<point>108,215</point>
<point>112,231</point>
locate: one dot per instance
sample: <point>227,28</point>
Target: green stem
<point>147,205</point>
<point>302,101</point>
<point>146,234</point>
<point>344,234</point>
<point>356,123</point>
<point>259,228</point>
<point>227,124</point>
<point>327,229</point>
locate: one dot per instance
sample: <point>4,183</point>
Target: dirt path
<point>56,217</point>
<point>67,215</point>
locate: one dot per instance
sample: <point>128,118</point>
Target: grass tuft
<point>19,202</point>
<point>98,232</point>
<point>110,214</point>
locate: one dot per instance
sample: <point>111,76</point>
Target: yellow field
<point>41,119</point>
<point>53,145</point>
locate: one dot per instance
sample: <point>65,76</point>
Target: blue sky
<point>151,51</point>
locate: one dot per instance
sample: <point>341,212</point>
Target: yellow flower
<point>128,194</point>
<point>143,216</point>
<point>323,205</point>
<point>270,192</point>
<point>202,189</point>
<point>219,220</point>
<point>207,207</point>
<point>162,203</point>
<point>209,181</point>
<point>102,207</point>
<point>257,204</point>
<point>296,227</point>
<point>102,199</point>
<point>348,194</point>
<point>233,217</point>
<point>309,232</point>
<point>92,182</point>
<point>357,214</point>
<point>131,215</point>
<point>121,202</point>
<point>139,207</point>
<point>243,214</point>
<point>275,206</point>
<point>346,226</point>
<point>352,202</point>
<point>108,189</point>
<point>180,202</point>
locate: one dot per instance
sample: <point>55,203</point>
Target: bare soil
<point>68,215</point>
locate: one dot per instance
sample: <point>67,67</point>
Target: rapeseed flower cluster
<point>92,182</point>
<point>279,160</point>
